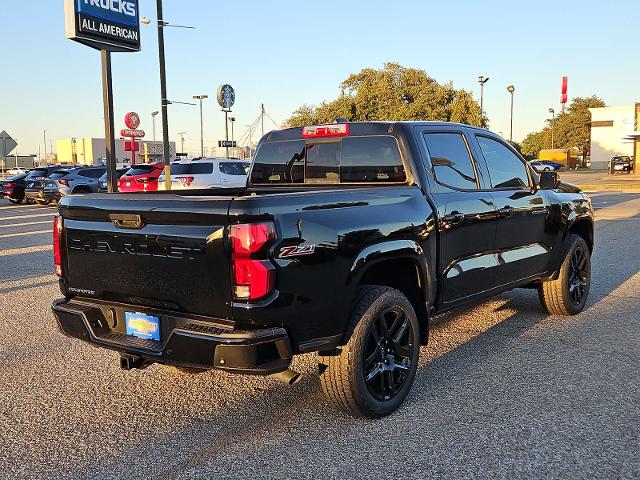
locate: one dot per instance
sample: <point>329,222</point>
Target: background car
<point>13,188</point>
<point>34,188</point>
<point>207,173</point>
<point>545,165</point>
<point>102,181</point>
<point>69,181</point>
<point>141,178</point>
<point>620,164</point>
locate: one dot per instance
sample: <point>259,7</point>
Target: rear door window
<point>349,160</point>
<point>451,160</point>
<point>505,168</point>
<point>196,168</point>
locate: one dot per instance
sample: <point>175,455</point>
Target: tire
<point>382,318</point>
<point>567,295</point>
<point>15,201</point>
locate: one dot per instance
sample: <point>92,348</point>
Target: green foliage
<point>571,129</point>
<point>392,93</point>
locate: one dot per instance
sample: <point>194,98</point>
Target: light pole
<point>553,120</point>
<point>511,89</point>
<point>181,141</point>
<point>200,98</point>
<point>232,120</point>
<point>44,134</point>
<point>482,80</point>
<point>153,119</point>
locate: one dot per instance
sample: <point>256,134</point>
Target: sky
<point>287,53</point>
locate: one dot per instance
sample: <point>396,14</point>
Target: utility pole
<point>262,118</point>
<point>45,146</point>
<point>226,129</point>
<point>553,120</point>
<point>163,95</point>
<point>200,98</point>
<point>232,120</point>
<point>511,89</point>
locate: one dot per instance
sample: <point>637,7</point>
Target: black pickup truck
<point>347,239</point>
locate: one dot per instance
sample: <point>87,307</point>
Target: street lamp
<point>482,80</point>
<point>232,120</point>
<point>553,120</point>
<point>153,119</point>
<point>45,146</point>
<point>200,98</point>
<point>163,90</point>
<point>511,89</point>
<point>181,141</point>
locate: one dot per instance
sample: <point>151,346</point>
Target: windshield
<point>199,168</point>
<point>234,168</point>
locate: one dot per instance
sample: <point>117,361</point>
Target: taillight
<point>57,252</point>
<point>8,185</point>
<point>253,274</point>
<point>186,181</point>
<point>320,131</point>
<point>63,182</point>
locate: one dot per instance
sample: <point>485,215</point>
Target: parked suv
<point>102,181</point>
<point>141,178</point>
<point>207,173</point>
<point>13,188</point>
<point>34,182</point>
<point>620,164</point>
<point>77,180</point>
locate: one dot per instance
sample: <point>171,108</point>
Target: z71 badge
<point>297,251</point>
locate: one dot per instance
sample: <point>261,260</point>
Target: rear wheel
<point>15,201</point>
<point>567,295</point>
<point>372,374</point>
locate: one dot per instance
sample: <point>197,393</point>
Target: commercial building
<point>615,131</point>
<point>93,151</point>
<point>21,161</point>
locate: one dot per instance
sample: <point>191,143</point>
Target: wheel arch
<point>583,227</point>
<point>398,264</point>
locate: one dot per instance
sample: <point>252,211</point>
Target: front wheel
<point>372,374</point>
<point>567,295</point>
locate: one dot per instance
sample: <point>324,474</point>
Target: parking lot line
<point>46,222</point>
<point>19,217</point>
<point>25,250</point>
<point>13,207</point>
<point>24,234</point>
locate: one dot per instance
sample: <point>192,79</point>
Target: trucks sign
<point>104,24</point>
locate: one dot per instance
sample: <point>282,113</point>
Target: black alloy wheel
<point>388,352</point>
<point>579,275</point>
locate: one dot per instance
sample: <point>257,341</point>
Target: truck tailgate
<point>156,250</point>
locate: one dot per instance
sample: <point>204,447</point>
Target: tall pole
<point>153,118</point>
<point>232,119</point>
<point>262,118</point>
<point>44,134</point>
<point>200,98</point>
<point>482,80</point>
<point>226,130</point>
<point>553,121</point>
<point>163,95</point>
<point>511,89</point>
<point>110,141</point>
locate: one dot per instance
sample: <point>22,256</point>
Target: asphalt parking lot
<point>503,390</point>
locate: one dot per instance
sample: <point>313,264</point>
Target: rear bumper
<point>186,341</point>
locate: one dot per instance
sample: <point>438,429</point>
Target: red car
<point>141,178</point>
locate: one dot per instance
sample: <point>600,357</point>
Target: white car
<point>17,171</point>
<point>207,173</point>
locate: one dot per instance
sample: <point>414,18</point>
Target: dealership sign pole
<point>108,26</point>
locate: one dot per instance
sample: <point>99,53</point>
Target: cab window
<point>451,160</point>
<point>506,170</point>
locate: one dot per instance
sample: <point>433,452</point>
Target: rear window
<point>234,168</point>
<point>200,168</point>
<point>58,174</point>
<point>373,159</point>
<point>140,170</point>
<point>37,173</point>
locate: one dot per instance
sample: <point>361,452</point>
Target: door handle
<point>454,218</point>
<point>505,212</point>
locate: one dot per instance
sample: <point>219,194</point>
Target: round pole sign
<point>226,96</point>
<point>132,120</point>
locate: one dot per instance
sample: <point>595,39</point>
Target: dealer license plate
<point>142,326</point>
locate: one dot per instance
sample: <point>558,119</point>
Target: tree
<point>392,93</point>
<point>571,129</point>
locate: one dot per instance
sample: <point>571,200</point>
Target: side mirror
<point>548,180</point>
